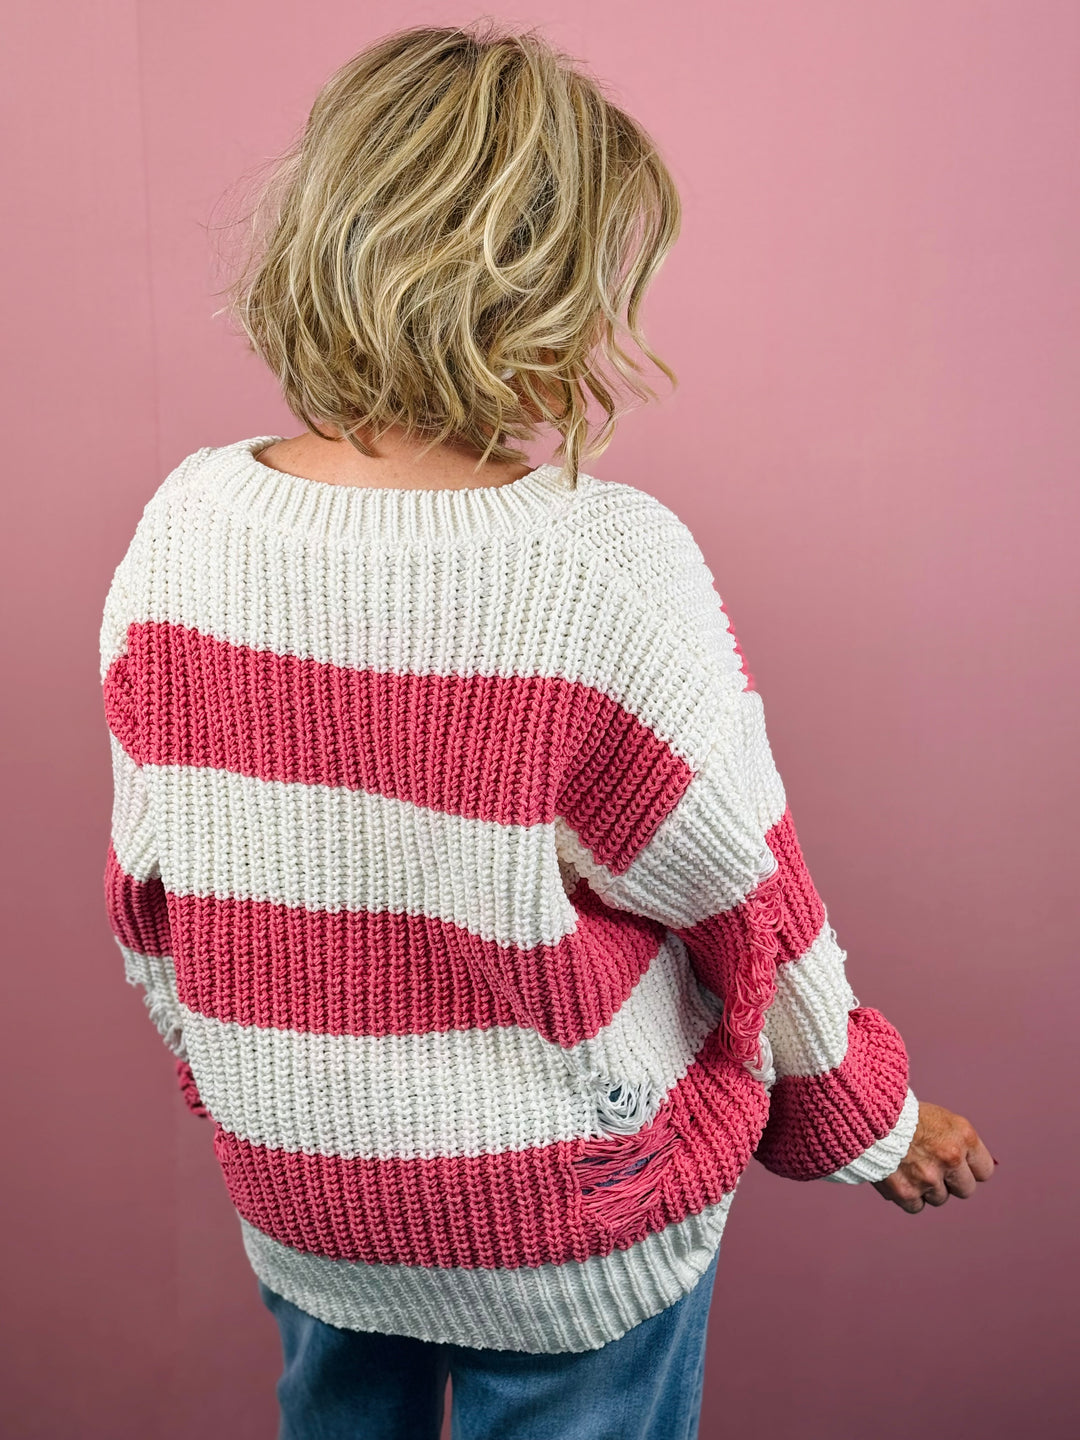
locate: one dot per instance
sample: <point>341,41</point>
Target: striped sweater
<point>449,854</point>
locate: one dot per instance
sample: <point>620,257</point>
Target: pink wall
<point>873,310</point>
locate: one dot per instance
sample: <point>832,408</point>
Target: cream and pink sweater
<point>450,855</point>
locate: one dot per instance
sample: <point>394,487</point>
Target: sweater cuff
<point>885,1155</point>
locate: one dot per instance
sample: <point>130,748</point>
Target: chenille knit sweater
<point>449,853</point>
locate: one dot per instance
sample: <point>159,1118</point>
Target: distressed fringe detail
<point>620,1174</point>
<point>162,1012</point>
<point>147,974</point>
<point>621,1170</point>
<point>753,986</point>
<point>622,1108</point>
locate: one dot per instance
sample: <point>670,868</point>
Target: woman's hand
<point>945,1157</point>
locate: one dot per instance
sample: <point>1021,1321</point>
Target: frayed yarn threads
<point>620,1175</point>
<point>765,1071</point>
<point>620,1170</point>
<point>753,986</point>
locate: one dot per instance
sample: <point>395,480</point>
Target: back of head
<point>454,245</point>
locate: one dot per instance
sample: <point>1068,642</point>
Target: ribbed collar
<point>231,476</point>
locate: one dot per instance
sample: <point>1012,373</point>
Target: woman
<point>447,846</point>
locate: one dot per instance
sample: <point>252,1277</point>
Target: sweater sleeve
<point>673,808</point>
<point>135,900</point>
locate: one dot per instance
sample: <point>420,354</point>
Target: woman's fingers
<point>960,1181</point>
<point>928,1188</point>
<point>980,1161</point>
<point>903,1191</point>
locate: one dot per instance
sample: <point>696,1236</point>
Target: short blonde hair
<point>463,209</point>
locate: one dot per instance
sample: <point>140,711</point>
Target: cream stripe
<point>328,848</point>
<point>132,830</point>
<point>807,1022</point>
<point>578,1305</point>
<point>457,1092</point>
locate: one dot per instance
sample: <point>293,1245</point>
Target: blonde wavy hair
<point>454,245</point>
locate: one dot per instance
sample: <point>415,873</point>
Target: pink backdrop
<point>873,310</point>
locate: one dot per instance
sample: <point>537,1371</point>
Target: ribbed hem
<point>235,478</point>
<point>544,1309</point>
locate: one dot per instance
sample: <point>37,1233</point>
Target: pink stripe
<point>820,1123</point>
<point>720,944</point>
<point>522,1207</point>
<point>489,747</point>
<point>185,1078</point>
<point>359,973</point>
<point>626,784</point>
<point>137,909</point>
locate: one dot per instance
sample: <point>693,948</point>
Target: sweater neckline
<point>234,477</point>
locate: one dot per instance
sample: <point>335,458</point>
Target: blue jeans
<point>360,1385</point>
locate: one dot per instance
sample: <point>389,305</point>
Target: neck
<point>398,462</point>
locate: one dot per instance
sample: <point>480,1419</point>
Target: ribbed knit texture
<point>450,856</point>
